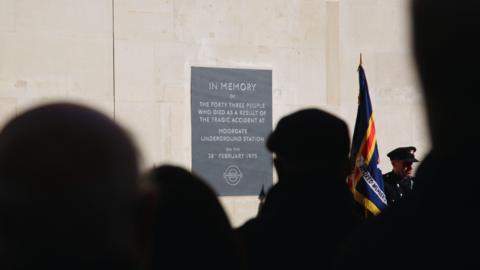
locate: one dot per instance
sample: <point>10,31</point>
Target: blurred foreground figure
<point>190,228</point>
<point>67,189</point>
<point>308,213</point>
<point>437,225</point>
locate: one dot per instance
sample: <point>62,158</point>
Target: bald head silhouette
<point>67,186</point>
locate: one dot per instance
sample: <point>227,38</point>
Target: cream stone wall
<point>52,50</point>
<point>131,59</point>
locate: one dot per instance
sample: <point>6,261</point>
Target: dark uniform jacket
<point>396,187</point>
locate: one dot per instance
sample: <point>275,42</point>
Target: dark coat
<point>300,226</point>
<point>396,187</point>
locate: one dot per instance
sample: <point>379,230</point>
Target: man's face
<point>402,168</point>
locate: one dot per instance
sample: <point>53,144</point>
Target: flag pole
<point>361,62</point>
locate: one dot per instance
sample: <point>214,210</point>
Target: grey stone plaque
<point>231,119</point>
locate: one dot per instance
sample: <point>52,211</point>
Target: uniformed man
<point>399,182</point>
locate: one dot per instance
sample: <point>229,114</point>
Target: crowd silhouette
<point>70,196</point>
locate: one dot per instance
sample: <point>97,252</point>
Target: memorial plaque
<point>231,120</point>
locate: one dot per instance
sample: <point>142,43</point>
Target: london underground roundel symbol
<point>232,175</point>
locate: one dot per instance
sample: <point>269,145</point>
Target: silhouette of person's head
<point>67,188</point>
<point>191,229</point>
<point>310,141</point>
<point>311,150</point>
<point>447,56</point>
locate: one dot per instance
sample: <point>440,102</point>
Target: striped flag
<point>366,181</point>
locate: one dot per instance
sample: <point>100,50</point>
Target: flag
<point>366,181</point>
